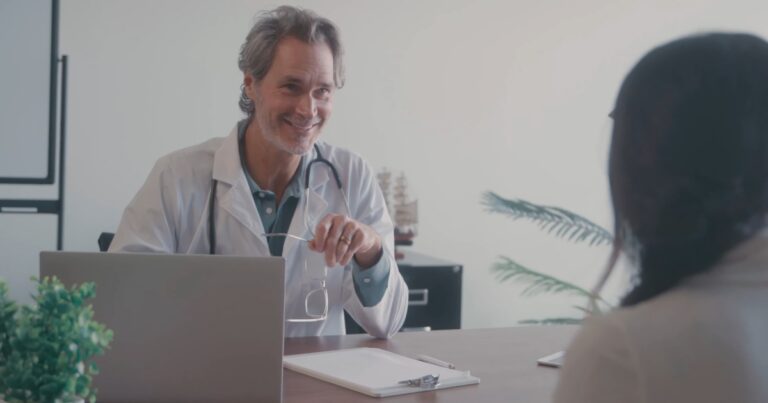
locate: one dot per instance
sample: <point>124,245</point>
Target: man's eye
<point>291,87</point>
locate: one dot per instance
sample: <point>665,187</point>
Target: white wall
<point>464,97</point>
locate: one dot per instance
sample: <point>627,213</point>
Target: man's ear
<point>249,83</point>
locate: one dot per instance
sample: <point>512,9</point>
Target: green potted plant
<point>563,224</point>
<point>46,348</point>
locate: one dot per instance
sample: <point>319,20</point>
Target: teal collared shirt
<point>370,284</point>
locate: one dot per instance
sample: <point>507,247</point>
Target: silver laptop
<point>187,328</point>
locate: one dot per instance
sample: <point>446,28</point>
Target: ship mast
<point>385,178</point>
<point>405,211</point>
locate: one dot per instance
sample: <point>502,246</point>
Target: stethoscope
<point>319,158</point>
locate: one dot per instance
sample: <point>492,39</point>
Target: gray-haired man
<point>271,188</point>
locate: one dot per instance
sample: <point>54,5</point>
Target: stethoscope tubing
<point>319,158</point>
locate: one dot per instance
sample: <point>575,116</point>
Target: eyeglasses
<point>316,300</point>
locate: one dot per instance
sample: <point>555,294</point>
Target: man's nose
<point>307,106</point>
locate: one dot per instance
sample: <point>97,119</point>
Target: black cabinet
<point>434,301</point>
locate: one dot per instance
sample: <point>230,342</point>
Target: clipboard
<point>373,371</point>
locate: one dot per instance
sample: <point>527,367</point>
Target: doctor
<point>258,190</point>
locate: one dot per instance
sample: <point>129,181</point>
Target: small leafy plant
<point>561,223</point>
<point>45,349</point>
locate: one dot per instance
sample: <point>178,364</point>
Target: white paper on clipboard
<point>372,371</point>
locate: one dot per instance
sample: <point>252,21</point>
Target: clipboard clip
<point>425,382</point>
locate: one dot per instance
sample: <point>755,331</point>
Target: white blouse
<point>703,341</point>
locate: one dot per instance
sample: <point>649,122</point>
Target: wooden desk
<point>503,359</point>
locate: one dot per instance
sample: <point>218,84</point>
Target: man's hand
<point>341,238</point>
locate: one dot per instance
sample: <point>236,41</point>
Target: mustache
<point>302,122</point>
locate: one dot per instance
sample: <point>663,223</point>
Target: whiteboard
<point>28,45</point>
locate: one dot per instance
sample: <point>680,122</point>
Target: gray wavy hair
<point>258,51</point>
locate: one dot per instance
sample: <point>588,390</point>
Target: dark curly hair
<point>688,161</point>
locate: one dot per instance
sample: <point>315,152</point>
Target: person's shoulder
<point>344,158</point>
<point>635,325</point>
<point>333,152</point>
<point>189,167</point>
<point>600,364</point>
<point>198,153</point>
<point>620,334</point>
<point>659,316</point>
<point>602,331</point>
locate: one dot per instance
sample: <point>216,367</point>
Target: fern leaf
<point>538,283</point>
<point>554,220</point>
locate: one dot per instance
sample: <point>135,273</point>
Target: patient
<point>689,182</point>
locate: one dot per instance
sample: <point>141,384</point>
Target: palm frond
<point>508,269</point>
<point>560,222</point>
<point>551,321</point>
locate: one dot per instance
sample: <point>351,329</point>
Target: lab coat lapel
<point>235,196</point>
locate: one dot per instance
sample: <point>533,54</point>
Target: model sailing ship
<point>405,210</point>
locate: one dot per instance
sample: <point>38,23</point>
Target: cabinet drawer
<point>434,300</point>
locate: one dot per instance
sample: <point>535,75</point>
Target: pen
<point>435,361</point>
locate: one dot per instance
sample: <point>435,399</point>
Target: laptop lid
<point>187,328</point>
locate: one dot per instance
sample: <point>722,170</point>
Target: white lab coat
<point>170,214</point>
